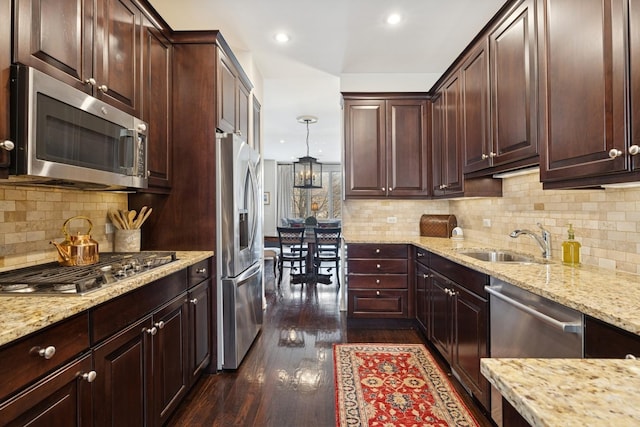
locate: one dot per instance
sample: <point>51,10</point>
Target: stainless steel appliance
<point>55,280</point>
<point>239,248</point>
<point>65,136</point>
<point>527,325</point>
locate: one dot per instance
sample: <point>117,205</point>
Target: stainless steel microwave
<point>63,135</point>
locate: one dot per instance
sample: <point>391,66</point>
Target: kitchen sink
<point>501,256</point>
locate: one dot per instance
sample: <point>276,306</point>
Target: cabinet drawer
<point>20,362</point>
<point>469,279</point>
<point>116,314</point>
<point>377,266</point>
<point>199,272</point>
<point>368,250</point>
<point>422,256</point>
<point>382,304</point>
<point>377,281</point>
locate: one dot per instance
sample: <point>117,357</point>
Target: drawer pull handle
<point>377,293</point>
<point>89,376</point>
<point>194,301</point>
<point>201,271</point>
<point>47,352</point>
<point>159,325</point>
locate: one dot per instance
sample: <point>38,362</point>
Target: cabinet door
<point>365,148</point>
<point>605,341</point>
<point>471,342</point>
<point>170,355</point>
<point>513,68</point>
<point>40,41</point>
<point>582,88</point>
<point>255,141</point>
<point>441,316</point>
<point>61,399</point>
<point>242,126</point>
<point>5,62</point>
<point>123,382</point>
<point>474,73</point>
<point>634,47</point>
<point>422,288</point>
<point>199,329</point>
<point>118,53</point>
<point>157,99</point>
<point>448,147</point>
<point>226,87</point>
<point>408,165</point>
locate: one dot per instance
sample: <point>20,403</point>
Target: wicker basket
<point>437,225</point>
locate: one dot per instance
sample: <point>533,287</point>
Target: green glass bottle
<point>571,249</point>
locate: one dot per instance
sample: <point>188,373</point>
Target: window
<point>328,198</point>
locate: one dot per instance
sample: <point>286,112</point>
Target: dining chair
<point>327,250</point>
<point>291,240</point>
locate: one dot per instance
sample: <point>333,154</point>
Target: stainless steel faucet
<point>544,242</point>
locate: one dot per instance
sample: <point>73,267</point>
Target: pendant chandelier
<point>307,171</point>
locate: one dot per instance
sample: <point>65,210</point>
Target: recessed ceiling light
<point>394,19</point>
<point>282,141</point>
<point>282,37</point>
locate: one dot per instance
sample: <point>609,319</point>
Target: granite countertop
<point>569,392</point>
<point>22,315</point>
<point>608,295</point>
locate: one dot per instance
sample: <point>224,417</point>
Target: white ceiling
<point>336,45</point>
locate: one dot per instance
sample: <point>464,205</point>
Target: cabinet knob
<point>142,127</point>
<point>390,189</point>
<point>630,356</point>
<point>201,271</point>
<point>382,188</point>
<point>634,149</point>
<point>7,145</point>
<point>90,81</point>
<point>152,331</point>
<point>492,154</point>
<point>613,153</point>
<point>484,156</point>
<point>378,266</point>
<point>378,293</point>
<point>420,254</point>
<point>239,132</point>
<point>194,301</point>
<point>377,251</point>
<point>159,325</point>
<point>377,281</point>
<point>103,88</point>
<point>47,352</point>
<point>89,376</point>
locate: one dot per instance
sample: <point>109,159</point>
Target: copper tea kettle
<point>80,249</point>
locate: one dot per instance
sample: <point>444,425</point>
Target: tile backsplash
<point>30,217</point>
<point>606,222</point>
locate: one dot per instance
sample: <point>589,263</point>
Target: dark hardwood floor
<point>287,377</point>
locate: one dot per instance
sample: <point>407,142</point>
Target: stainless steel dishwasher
<point>527,325</point>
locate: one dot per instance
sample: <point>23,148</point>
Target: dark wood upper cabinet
<point>5,63</point>
<point>474,73</point>
<point>446,143</point>
<point>156,105</point>
<point>582,88</point>
<point>513,73</point>
<point>233,98</point>
<point>255,141</point>
<point>386,145</point>
<point>98,52</point>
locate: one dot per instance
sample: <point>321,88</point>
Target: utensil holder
<point>127,240</point>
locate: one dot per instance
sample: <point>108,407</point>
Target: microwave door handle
<point>126,135</point>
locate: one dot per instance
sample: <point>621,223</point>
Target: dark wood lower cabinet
<point>123,366</point>
<point>199,329</point>
<point>61,399</point>
<point>605,341</point>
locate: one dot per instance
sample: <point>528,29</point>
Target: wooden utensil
<point>131,215</point>
<point>116,220</point>
<point>124,218</point>
<point>144,218</point>
<point>138,221</point>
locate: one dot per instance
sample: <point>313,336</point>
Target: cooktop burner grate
<point>53,279</point>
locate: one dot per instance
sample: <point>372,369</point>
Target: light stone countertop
<point>22,315</point>
<point>608,295</point>
<point>569,392</point>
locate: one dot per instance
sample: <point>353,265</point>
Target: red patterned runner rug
<point>394,385</point>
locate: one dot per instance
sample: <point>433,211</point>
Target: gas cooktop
<point>55,280</point>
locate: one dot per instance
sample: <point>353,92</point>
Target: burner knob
<point>47,352</point>
<point>89,376</point>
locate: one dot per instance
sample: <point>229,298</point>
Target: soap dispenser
<point>571,249</point>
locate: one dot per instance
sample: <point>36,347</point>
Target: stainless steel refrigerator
<point>239,248</point>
